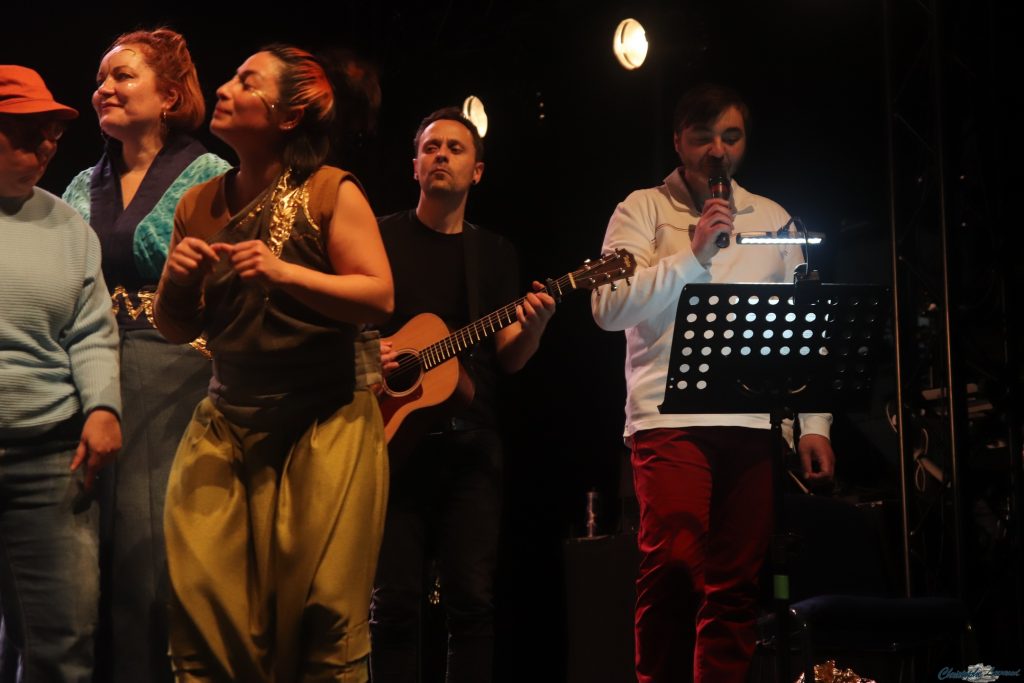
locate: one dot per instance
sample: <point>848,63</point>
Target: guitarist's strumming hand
<point>388,363</point>
<point>426,374</point>
<point>517,343</point>
<point>388,357</point>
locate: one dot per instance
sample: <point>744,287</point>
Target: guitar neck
<point>481,329</point>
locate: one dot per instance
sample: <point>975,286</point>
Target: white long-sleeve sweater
<point>653,225</point>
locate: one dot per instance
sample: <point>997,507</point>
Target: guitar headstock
<point>609,269</point>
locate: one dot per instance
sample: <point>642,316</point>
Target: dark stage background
<point>571,134</point>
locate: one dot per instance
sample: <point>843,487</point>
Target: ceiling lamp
<point>473,109</point>
<point>630,44</point>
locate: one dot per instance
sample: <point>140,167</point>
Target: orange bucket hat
<point>22,91</point>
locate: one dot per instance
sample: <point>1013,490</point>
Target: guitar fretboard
<point>477,331</point>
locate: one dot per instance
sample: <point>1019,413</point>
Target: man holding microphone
<point>703,481</point>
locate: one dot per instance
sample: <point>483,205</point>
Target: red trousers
<point>705,497</point>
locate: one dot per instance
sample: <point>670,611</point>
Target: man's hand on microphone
<point>715,220</point>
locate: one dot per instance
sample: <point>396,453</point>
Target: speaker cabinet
<point>600,577</point>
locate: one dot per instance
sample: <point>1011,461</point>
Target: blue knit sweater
<point>58,338</point>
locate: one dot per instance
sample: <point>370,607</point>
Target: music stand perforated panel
<point>741,348</point>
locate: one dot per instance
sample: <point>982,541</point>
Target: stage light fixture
<point>473,109</point>
<point>630,44</point>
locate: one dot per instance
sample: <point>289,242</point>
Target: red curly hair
<point>167,55</point>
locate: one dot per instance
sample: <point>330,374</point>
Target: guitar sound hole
<point>407,376</point>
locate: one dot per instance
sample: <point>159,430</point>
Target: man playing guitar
<point>445,492</point>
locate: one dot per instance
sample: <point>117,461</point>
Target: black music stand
<point>779,349</point>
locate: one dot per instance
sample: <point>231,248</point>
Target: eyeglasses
<point>28,132</point>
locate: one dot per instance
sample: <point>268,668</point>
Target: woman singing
<point>275,505</point>
<point>147,100</point>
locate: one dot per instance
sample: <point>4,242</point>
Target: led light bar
<point>774,238</point>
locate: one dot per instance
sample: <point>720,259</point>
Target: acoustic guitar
<point>429,375</point>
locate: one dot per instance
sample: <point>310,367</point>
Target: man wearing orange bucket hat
<point>60,402</point>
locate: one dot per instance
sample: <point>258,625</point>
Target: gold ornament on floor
<point>828,673</point>
<point>434,598</point>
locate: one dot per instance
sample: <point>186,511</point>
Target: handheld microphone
<point>718,183</point>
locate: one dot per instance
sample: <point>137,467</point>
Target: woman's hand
<point>253,260</point>
<point>190,261</point>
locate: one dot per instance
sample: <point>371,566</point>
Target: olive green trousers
<point>272,547</point>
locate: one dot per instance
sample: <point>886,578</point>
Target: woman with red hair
<point>148,102</point>
<point>275,505</point>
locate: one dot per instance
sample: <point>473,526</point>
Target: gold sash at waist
<point>142,303</point>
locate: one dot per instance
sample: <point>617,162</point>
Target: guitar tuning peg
<point>615,286</point>
<point>585,261</point>
<point>629,282</point>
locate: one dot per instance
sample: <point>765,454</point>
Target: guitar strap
<point>471,249</point>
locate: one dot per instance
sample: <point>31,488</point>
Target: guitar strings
<point>445,349</point>
<point>448,348</point>
<point>441,351</point>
